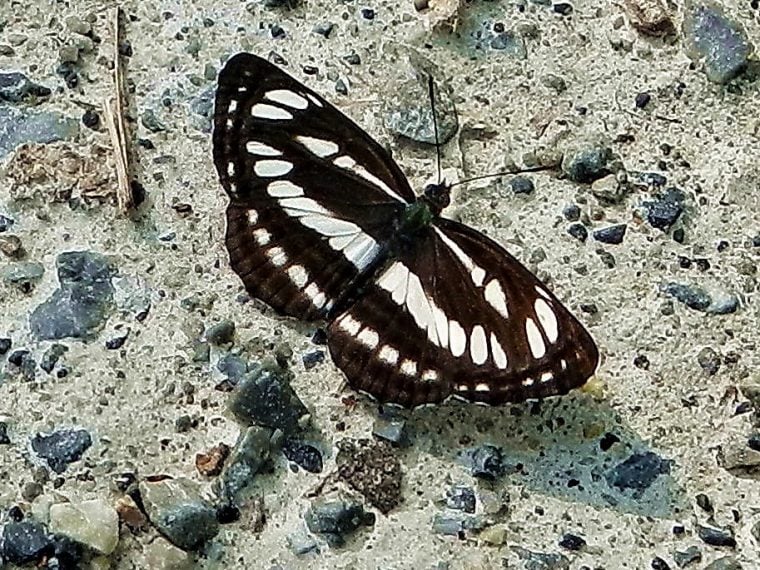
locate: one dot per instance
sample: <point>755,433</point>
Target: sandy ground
<point>129,400</point>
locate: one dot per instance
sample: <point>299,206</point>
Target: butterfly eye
<point>322,225</point>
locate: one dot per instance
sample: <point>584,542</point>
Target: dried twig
<point>114,117</point>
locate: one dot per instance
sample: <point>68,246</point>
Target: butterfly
<point>322,225</point>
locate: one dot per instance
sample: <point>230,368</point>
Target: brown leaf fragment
<point>211,463</point>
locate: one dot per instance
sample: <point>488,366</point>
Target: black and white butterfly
<point>323,225</point>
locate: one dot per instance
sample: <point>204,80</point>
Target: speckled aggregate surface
<point>559,477</point>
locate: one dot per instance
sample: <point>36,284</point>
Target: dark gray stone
<point>522,185</point>
<point>638,472</point>
<point>486,462</point>
<point>578,231</point>
<point>685,557</point>
<point>612,235</point>
<point>311,359</point>
<point>51,356</point>
<point>715,40</point>
<point>151,122</point>
<point>572,212</point>
<point>587,162</point>
<point>572,542</point>
<point>80,306</point>
<point>693,297</point>
<point>22,126</point>
<point>391,428</point>
<point>250,454</point>
<point>202,107</point>
<point>458,524</point>
<point>303,454</point>
<point>665,211</point>
<point>16,87</point>
<point>461,498</point>
<point>177,509</point>
<point>233,367</point>
<point>264,397</point>
<point>221,333</point>
<point>5,223</point>
<point>709,360</point>
<point>324,29</point>
<point>26,542</point>
<point>4,439</point>
<point>716,536</point>
<point>334,519</point>
<point>62,447</point>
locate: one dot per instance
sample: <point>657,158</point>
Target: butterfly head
<point>437,196</point>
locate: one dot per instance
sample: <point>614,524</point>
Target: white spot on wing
<point>548,320</point>
<point>319,147</point>
<point>478,345</point>
<point>409,367</point>
<point>546,377</point>
<point>368,338</point>
<point>253,217</point>
<point>536,343</point>
<point>232,107</point>
<point>272,168</point>
<point>499,356</point>
<point>361,251</point>
<point>328,226</point>
<point>318,299</point>
<point>287,97</point>
<point>297,207</point>
<point>430,375</point>
<point>528,382</point>
<point>496,298</point>
<point>264,111</point>
<point>298,275</point>
<point>477,273</point>
<point>230,168</point>
<point>347,323</point>
<point>543,293</point>
<point>277,256</point>
<point>441,325</point>
<point>284,189</point>
<point>261,149</point>
<point>388,354</point>
<point>262,236</point>
<point>348,163</point>
<point>394,281</point>
<point>457,338</point>
<point>482,387</point>
<point>314,100</point>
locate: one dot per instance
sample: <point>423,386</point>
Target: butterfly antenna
<point>520,171</point>
<point>435,125</point>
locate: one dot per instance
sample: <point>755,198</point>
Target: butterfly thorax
<point>419,214</point>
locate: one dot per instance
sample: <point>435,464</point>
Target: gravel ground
<point>653,466</point>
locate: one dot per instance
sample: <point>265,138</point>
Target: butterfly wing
<point>458,315</point>
<point>312,196</point>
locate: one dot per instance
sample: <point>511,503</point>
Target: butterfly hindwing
<point>457,315</point>
<point>312,196</point>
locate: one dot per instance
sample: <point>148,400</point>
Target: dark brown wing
<point>458,315</point>
<point>312,196</point>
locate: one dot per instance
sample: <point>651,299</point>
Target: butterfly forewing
<point>312,196</point>
<point>457,315</point>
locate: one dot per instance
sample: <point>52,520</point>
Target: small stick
<point>114,116</point>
